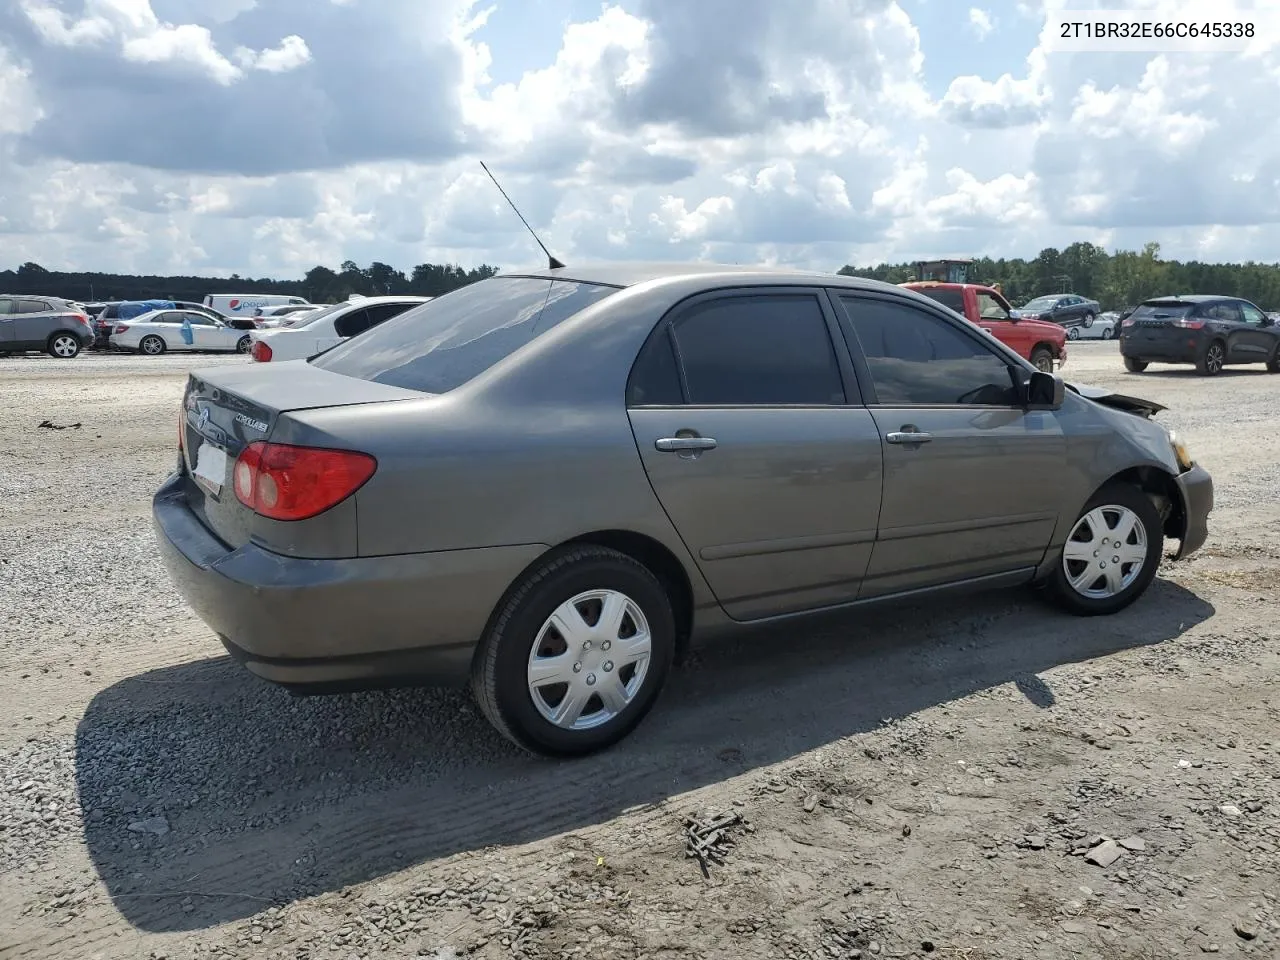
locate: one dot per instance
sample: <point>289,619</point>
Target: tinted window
<point>917,358</point>
<point>948,298</point>
<point>758,350</point>
<point>655,379</point>
<point>6,307</point>
<point>33,306</point>
<point>380,312</point>
<point>441,344</point>
<point>349,324</point>
<point>199,319</point>
<point>1162,311</point>
<point>1221,311</point>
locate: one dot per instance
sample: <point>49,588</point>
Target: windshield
<point>1041,303</point>
<point>442,344</point>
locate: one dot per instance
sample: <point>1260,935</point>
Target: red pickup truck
<point>1039,341</point>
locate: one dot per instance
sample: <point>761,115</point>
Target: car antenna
<point>553,263</point>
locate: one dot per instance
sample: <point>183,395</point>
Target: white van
<point>243,304</point>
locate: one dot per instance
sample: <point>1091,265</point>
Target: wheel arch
<point>1161,487</point>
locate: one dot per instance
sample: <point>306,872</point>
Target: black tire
<point>63,346</point>
<point>1119,495</point>
<point>157,345</point>
<point>1073,333</point>
<point>1108,333</point>
<point>1042,359</point>
<point>499,673</point>
<point>244,343</point>
<point>1273,365</point>
<point>1088,320</point>
<point>1135,366</point>
<point>1214,358</point>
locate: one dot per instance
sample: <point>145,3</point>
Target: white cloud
<point>297,132</point>
<point>981,22</point>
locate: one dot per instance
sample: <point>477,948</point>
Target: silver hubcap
<point>64,347</point>
<point>1044,364</point>
<point>1213,359</point>
<point>243,345</point>
<point>589,660</point>
<point>151,345</point>
<point>1073,334</point>
<point>1105,552</point>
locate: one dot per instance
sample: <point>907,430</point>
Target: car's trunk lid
<point>225,409</point>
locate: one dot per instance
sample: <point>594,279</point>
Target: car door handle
<point>899,436</point>
<point>669,444</point>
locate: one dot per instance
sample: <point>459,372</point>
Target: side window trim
<point>850,383</point>
<point>864,369</point>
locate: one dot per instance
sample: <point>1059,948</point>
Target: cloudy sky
<point>267,136</point>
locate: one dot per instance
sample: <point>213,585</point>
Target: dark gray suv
<point>1208,331</point>
<point>48,324</point>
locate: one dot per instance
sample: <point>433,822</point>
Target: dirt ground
<point>914,782</point>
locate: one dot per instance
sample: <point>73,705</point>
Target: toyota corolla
<point>545,484</point>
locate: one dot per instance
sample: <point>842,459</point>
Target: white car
<point>156,332</point>
<point>268,318</point>
<point>1103,328</point>
<point>318,330</point>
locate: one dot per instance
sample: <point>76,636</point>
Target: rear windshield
<point>1162,311</point>
<point>948,298</point>
<point>453,338</point>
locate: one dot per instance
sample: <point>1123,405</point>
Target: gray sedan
<point>547,483</point>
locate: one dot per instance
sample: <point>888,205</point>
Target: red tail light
<point>121,327</point>
<point>260,352</point>
<point>284,482</point>
<point>1184,324</point>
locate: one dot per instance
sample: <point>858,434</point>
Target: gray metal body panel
<point>797,508</point>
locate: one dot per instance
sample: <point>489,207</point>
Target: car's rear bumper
<point>1167,349</point>
<point>319,625</point>
<point>1196,489</point>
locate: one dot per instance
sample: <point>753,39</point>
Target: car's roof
<point>1190,298</point>
<point>624,273</point>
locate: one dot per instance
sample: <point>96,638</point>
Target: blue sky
<point>264,137</point>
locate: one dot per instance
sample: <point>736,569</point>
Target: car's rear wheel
<point>1211,362</point>
<point>1111,554</point>
<point>1073,333</point>
<point>152,345</point>
<point>1042,359</point>
<point>63,346</point>
<point>1135,366</point>
<point>576,653</point>
<point>1088,320</point>
<point>244,343</point>
<point>1107,333</point>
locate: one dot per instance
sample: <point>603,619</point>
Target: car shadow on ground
<point>208,795</point>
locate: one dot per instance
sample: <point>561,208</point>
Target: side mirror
<point>1045,391</point>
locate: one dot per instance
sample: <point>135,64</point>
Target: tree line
<point>319,285</point>
<point>1115,280</point>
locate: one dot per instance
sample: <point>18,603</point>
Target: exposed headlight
<point>1180,451</point>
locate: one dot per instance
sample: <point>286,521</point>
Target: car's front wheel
<point>1042,359</point>
<point>1073,333</point>
<point>1111,554</point>
<point>577,652</point>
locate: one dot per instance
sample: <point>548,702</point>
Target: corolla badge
<point>251,423</point>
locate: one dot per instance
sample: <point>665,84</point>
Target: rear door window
<point>760,350</point>
<point>381,312</point>
<point>351,323</point>
<point>440,345</point>
<point>33,306</point>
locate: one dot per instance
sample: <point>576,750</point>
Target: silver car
<point>47,324</point>
<point>547,483</point>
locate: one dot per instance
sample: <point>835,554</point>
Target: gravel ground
<point>1014,783</point>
